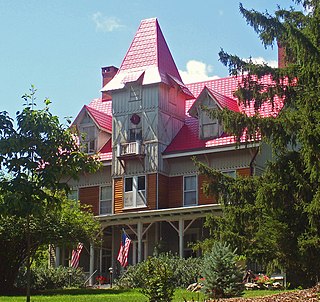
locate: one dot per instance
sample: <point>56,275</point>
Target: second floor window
<point>135,192</point>
<point>190,190</point>
<point>209,128</point>
<point>105,200</point>
<point>88,135</point>
<point>73,194</point>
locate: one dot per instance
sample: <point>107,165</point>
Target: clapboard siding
<point>152,191</point>
<point>90,196</point>
<point>163,191</point>
<point>244,172</point>
<point>175,193</point>
<point>203,199</point>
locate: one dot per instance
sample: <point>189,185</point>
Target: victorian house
<point>146,128</point>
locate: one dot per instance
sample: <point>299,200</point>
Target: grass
<point>116,295</point>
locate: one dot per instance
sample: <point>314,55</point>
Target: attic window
<point>209,128</point>
<point>88,135</point>
<point>135,93</point>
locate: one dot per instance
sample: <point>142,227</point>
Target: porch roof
<point>173,214</point>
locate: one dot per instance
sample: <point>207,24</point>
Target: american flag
<point>124,250</point>
<point>76,255</point>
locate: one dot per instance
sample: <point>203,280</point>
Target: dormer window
<point>88,135</point>
<point>209,127</point>
<point>135,92</point>
<point>89,139</point>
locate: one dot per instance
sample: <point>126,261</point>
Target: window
<point>135,134</point>
<point>209,128</point>
<point>231,173</point>
<point>88,134</point>
<point>190,190</point>
<point>135,93</point>
<point>135,191</point>
<point>73,194</point>
<point>105,200</point>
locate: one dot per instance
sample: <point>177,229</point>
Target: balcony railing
<point>130,149</point>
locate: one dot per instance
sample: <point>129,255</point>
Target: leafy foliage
<point>184,272</point>
<point>52,278</point>
<point>275,218</point>
<point>69,224</point>
<point>158,285</point>
<point>37,156</point>
<point>222,276</point>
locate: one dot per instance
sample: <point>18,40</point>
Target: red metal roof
<point>149,58</point>
<point>105,152</point>
<point>222,89</point>
<point>102,119</point>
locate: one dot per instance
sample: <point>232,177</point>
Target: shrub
<point>222,276</point>
<point>52,278</point>
<point>158,285</point>
<point>185,271</point>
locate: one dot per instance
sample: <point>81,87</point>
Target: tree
<point>222,277</point>
<point>275,218</point>
<point>69,224</point>
<point>36,155</point>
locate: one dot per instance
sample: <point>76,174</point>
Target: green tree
<point>275,218</point>
<point>37,155</point>
<point>67,225</point>
<point>221,276</point>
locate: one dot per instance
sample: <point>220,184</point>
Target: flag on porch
<point>124,250</point>
<point>75,257</point>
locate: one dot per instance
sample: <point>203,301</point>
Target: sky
<point>60,46</point>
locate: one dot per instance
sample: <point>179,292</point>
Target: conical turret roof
<point>148,59</point>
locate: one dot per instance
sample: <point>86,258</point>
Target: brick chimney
<point>281,56</point>
<point>107,75</point>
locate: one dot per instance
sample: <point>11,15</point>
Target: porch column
<point>181,231</point>
<point>134,252</point>
<point>100,260</point>
<point>91,264</point>
<point>57,262</point>
<point>139,235</point>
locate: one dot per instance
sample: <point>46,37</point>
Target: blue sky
<point>61,45</point>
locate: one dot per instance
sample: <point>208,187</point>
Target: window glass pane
<point>230,173</point>
<point>128,184</point>
<point>105,207</point>
<point>73,195</point>
<point>89,133</point>
<point>190,183</point>
<point>141,183</point>
<point>135,134</point>
<point>106,193</point>
<point>190,198</point>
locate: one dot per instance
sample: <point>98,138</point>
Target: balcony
<point>130,150</point>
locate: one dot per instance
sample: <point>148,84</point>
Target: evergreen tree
<point>222,276</point>
<point>275,218</point>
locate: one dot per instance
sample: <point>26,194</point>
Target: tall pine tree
<point>275,218</point>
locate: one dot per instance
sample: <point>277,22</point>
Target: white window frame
<point>135,193</point>
<point>207,122</point>
<point>186,191</point>
<point>105,200</point>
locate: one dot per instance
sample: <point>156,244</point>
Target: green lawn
<point>106,295</point>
